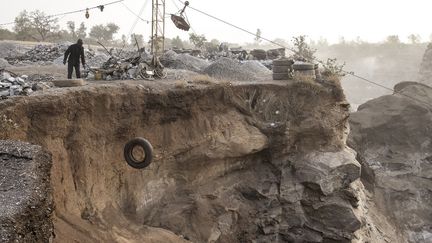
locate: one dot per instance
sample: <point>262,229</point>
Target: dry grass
<point>6,125</point>
<point>179,84</point>
<point>202,79</point>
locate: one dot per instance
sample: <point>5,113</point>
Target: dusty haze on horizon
<point>370,20</point>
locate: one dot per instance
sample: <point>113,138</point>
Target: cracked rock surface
<point>26,204</point>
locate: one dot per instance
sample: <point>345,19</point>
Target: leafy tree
<point>23,27</point>
<point>104,33</point>
<point>6,34</point>
<point>197,40</point>
<point>215,42</point>
<point>82,31</point>
<point>71,28</point>
<point>177,42</point>
<point>303,51</point>
<point>393,39</point>
<point>137,38</point>
<point>414,38</point>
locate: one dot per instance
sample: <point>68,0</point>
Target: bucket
<point>98,75</point>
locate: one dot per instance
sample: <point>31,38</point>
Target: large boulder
<point>393,136</point>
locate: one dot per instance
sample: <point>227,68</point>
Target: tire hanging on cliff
<point>148,153</point>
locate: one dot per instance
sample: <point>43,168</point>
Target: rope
<point>296,52</point>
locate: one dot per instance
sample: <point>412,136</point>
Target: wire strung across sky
<point>138,17</point>
<point>100,6</point>
<point>296,52</point>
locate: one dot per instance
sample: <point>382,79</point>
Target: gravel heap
<point>229,69</point>
<point>4,63</point>
<point>170,59</point>
<point>8,49</point>
<point>40,54</point>
<point>256,67</point>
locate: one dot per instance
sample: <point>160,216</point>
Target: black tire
<point>146,146</point>
<point>280,76</point>
<point>281,69</point>
<point>303,66</point>
<point>283,62</point>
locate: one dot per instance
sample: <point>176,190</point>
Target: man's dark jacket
<point>75,52</point>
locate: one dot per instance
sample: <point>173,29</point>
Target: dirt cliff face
<point>233,163</point>
<point>393,136</point>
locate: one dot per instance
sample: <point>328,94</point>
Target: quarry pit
<point>233,161</point>
<point>263,161</point>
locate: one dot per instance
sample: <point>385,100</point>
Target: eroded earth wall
<point>233,163</point>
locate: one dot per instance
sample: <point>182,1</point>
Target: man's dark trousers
<point>71,66</point>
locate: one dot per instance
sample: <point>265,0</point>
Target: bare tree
<point>44,25</point>
<point>35,25</point>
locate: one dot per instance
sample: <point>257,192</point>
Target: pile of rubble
<point>8,49</point>
<point>43,54</point>
<point>184,61</point>
<point>12,84</point>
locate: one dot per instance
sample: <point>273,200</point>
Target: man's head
<point>80,42</point>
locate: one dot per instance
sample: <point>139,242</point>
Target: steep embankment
<point>393,135</point>
<point>233,163</point>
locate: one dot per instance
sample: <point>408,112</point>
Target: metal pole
<point>158,27</point>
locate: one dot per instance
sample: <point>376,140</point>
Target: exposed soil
<point>272,135</point>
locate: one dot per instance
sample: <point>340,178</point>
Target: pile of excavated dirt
<point>230,69</point>
<point>26,203</point>
<point>243,162</point>
<point>172,60</point>
<point>393,136</point>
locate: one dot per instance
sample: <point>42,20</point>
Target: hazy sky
<point>372,20</point>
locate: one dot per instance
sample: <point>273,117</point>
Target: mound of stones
<point>230,69</point>
<point>183,61</point>
<point>40,53</point>
<point>11,84</point>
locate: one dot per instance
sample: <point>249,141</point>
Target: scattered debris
<point>12,84</point>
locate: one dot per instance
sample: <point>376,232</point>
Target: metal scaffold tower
<point>158,27</point>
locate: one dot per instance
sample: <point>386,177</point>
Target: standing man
<point>73,55</point>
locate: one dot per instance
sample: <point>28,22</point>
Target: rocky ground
<point>26,204</point>
<point>393,136</point>
<point>235,161</point>
<point>299,181</point>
